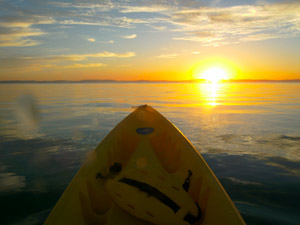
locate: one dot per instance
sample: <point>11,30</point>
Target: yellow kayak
<point>145,172</point>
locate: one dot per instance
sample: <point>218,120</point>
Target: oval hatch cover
<point>145,130</point>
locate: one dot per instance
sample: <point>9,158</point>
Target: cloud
<point>92,13</point>
<point>90,65</point>
<point>149,9</point>
<point>24,21</point>
<point>58,61</point>
<point>167,56</point>
<point>107,42</point>
<point>260,36</point>
<point>17,31</point>
<point>159,27</point>
<point>105,6</point>
<point>60,58</point>
<point>212,26</point>
<point>74,22</point>
<point>17,42</point>
<point>110,55</point>
<point>80,57</point>
<point>91,39</point>
<point>156,27</point>
<point>18,36</point>
<point>132,36</point>
<point>106,21</point>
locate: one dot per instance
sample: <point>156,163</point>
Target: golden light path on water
<point>210,93</point>
<point>213,75</point>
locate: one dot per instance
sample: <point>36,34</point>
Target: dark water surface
<point>249,133</point>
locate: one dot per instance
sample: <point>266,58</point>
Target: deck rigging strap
<point>152,191</point>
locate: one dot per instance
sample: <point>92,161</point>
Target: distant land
<point>136,81</point>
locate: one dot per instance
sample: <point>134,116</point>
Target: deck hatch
<point>144,130</point>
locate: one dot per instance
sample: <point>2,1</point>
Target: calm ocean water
<point>249,134</point>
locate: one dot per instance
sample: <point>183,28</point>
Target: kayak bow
<point>144,172</point>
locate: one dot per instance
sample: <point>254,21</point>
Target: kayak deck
<point>145,172</point>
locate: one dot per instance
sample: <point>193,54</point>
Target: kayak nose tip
<point>139,106</point>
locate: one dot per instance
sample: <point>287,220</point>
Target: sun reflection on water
<point>210,93</point>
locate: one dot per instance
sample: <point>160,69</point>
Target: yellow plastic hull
<point>150,149</point>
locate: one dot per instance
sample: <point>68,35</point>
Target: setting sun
<point>214,74</point>
<point>214,70</point>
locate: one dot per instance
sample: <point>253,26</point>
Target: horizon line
<point>144,81</point>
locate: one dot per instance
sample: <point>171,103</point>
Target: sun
<point>214,70</point>
<point>214,74</point>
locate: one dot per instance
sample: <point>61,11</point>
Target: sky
<point>149,39</point>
